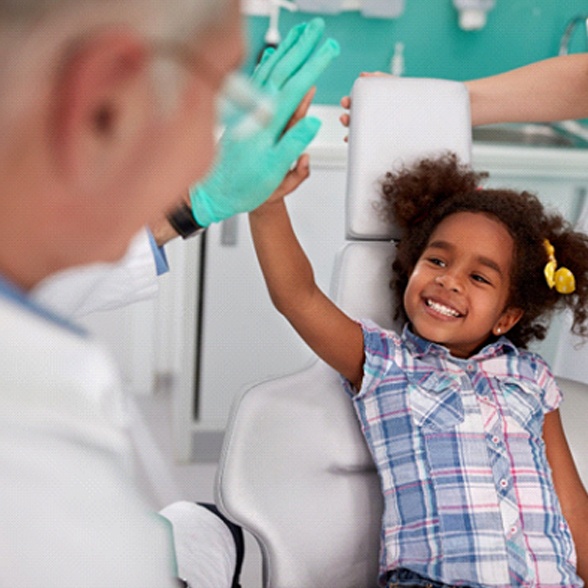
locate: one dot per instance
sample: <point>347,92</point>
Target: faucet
<point>573,128</point>
<point>564,44</point>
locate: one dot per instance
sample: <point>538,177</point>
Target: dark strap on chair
<point>237,534</point>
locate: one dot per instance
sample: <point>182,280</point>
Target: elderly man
<point>107,113</point>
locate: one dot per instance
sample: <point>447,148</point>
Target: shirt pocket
<point>523,400</point>
<point>435,402</point>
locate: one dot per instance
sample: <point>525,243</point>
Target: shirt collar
<point>13,293</point>
<point>420,347</point>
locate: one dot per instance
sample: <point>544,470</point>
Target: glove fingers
<point>265,67</point>
<point>268,52</point>
<point>296,140</point>
<point>300,84</point>
<point>296,57</point>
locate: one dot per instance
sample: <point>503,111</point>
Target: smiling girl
<point>462,421</point>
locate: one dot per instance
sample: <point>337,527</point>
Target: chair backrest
<point>574,409</point>
<point>297,475</point>
<point>295,470</point>
<point>394,122</point>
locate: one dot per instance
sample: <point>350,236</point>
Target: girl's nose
<point>449,281</point>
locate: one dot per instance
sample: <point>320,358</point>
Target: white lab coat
<point>204,546</point>
<point>71,515</point>
<point>102,286</point>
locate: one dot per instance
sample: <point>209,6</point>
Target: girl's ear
<point>509,318</point>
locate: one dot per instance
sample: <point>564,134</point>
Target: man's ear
<point>509,318</point>
<point>100,104</point>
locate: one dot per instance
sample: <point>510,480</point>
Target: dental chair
<point>295,471</point>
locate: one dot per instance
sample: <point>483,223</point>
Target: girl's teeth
<point>444,310</point>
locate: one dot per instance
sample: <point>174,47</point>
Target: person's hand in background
<point>345,118</point>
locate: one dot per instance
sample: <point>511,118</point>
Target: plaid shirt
<point>469,498</point>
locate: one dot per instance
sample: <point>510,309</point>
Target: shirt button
<point>471,367</point>
<point>503,483</point>
<point>495,440</point>
<point>513,529</point>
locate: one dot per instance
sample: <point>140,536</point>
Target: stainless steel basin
<point>532,134</point>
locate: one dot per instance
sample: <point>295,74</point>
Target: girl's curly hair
<point>420,197</point>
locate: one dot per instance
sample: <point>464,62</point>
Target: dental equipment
<point>272,36</point>
<point>473,14</point>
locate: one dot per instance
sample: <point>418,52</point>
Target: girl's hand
<point>292,180</point>
<point>302,109</point>
<point>301,170</point>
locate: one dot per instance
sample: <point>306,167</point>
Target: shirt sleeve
<point>381,349</point>
<point>551,393</point>
<point>79,291</point>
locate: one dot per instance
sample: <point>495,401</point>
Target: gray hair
<point>176,17</point>
<point>34,33</point>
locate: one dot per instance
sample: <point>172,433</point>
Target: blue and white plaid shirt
<point>469,498</point>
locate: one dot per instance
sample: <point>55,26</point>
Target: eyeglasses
<point>241,106</point>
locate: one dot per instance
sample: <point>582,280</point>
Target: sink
<point>532,134</point>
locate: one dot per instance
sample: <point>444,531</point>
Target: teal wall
<point>518,32</point>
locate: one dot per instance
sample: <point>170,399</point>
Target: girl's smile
<point>442,308</point>
<point>458,292</point>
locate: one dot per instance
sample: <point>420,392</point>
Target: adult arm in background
<point>549,90</point>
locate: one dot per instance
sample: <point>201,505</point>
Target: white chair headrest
<point>394,122</point>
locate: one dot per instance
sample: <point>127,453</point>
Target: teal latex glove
<point>249,169</point>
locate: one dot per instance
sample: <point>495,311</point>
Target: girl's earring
<point>498,331</point>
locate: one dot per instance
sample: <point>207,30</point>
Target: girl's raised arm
<point>331,334</point>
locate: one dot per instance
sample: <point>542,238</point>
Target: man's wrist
<point>183,222</point>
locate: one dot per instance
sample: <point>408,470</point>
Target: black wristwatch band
<point>183,221</point>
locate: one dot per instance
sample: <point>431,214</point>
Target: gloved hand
<point>248,170</point>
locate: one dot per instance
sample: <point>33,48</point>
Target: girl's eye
<point>479,278</point>
<point>437,261</point>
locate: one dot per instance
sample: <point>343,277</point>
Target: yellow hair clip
<point>562,279</point>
